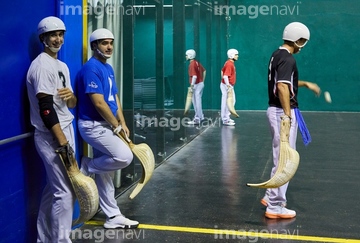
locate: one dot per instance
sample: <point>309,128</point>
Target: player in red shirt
<point>228,74</point>
<point>197,75</point>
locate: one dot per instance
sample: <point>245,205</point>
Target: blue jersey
<point>95,77</point>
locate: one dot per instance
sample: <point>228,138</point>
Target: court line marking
<point>223,233</point>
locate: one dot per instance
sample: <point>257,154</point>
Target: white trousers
<point>196,100</point>
<point>110,154</point>
<point>56,208</point>
<point>277,196</point>
<point>225,113</point>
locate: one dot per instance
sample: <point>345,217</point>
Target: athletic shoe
<point>120,221</point>
<point>228,123</point>
<point>85,166</point>
<point>265,200</point>
<point>231,120</point>
<point>279,212</point>
<point>193,122</point>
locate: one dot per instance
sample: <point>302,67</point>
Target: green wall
<point>144,44</point>
<point>330,58</point>
<point>255,29</point>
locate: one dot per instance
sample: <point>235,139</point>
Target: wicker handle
<point>124,136</point>
<point>285,129</point>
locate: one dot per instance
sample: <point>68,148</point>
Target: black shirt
<point>282,68</point>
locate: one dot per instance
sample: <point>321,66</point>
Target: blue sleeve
<point>92,82</point>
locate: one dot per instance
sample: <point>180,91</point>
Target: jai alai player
<point>228,74</point>
<point>197,74</point>
<point>51,95</point>
<point>283,86</point>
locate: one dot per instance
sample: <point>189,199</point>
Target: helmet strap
<point>53,49</point>
<point>300,46</point>
<point>102,54</point>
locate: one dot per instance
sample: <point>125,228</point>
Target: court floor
<point>199,194</point>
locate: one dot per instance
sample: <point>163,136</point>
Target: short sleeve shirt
<point>230,71</point>
<point>196,69</point>
<point>95,77</point>
<point>46,75</point>
<point>282,68</point>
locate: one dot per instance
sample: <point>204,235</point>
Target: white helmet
<point>50,24</point>
<point>101,34</point>
<point>231,53</point>
<point>191,54</point>
<point>295,31</point>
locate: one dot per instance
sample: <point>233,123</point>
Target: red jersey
<point>229,70</point>
<point>196,69</point>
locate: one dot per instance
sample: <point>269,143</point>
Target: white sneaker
<point>85,166</point>
<point>228,123</point>
<point>194,122</point>
<point>279,212</point>
<point>120,222</point>
<point>231,120</point>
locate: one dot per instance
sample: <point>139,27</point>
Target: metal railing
<point>15,138</point>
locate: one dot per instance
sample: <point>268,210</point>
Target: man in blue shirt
<point>100,118</point>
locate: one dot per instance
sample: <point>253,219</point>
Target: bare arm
<point>121,118</point>
<point>312,86</point>
<point>59,134</point>
<point>193,80</point>
<point>204,75</point>
<point>67,95</point>
<point>284,96</point>
<point>104,110</point>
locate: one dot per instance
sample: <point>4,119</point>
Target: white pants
<point>110,154</point>
<point>196,100</point>
<point>278,195</point>
<point>56,209</point>
<point>225,113</point>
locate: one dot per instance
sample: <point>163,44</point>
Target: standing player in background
<point>197,74</point>
<point>228,75</point>
<point>283,86</point>
<point>100,118</point>
<point>51,95</point>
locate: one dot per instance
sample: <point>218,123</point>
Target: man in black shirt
<point>283,87</point>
